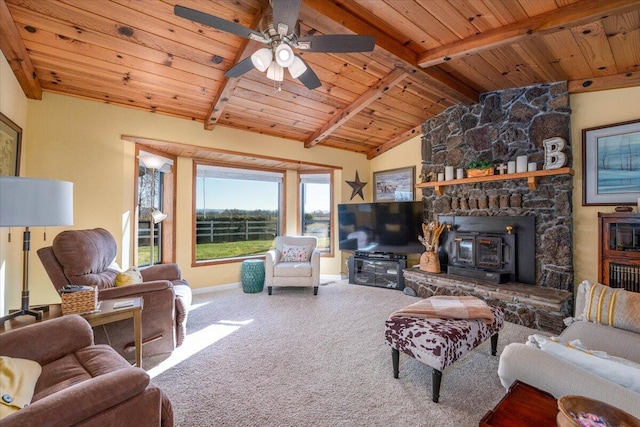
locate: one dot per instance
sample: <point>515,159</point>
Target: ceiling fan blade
<point>215,22</point>
<point>337,43</point>
<point>240,68</point>
<point>309,78</point>
<point>286,12</point>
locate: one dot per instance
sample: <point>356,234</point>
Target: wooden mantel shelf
<point>530,176</point>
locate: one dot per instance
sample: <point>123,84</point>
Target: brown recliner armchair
<point>81,383</point>
<point>84,257</point>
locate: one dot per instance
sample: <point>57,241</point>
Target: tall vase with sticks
<point>429,259</point>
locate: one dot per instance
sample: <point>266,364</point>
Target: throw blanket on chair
<point>448,307</point>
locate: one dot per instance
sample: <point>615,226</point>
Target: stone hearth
<point>532,306</point>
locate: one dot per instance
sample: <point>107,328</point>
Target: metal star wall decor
<point>357,187</point>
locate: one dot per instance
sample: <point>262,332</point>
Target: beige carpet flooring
<point>295,359</point>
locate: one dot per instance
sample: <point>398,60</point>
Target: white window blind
<point>220,172</point>
<point>315,178</point>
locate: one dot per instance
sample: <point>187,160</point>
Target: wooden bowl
<point>571,406</point>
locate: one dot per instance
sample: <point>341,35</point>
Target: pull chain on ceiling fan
<point>280,32</point>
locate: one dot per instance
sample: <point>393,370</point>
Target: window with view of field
<point>237,211</point>
<point>315,203</point>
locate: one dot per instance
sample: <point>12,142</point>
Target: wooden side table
<point>523,406</point>
<point>109,313</point>
<point>106,313</point>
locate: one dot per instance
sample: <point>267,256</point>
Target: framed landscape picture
<point>10,139</point>
<point>611,164</point>
<point>394,185</point>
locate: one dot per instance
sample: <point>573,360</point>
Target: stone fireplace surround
<point>502,126</point>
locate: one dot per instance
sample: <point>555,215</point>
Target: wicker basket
<point>80,301</point>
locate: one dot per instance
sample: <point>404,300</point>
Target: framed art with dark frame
<point>394,185</point>
<point>10,141</point>
<point>611,164</point>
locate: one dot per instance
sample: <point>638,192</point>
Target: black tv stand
<point>381,269</point>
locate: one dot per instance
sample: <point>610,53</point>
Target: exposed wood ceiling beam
<point>573,15</point>
<point>384,41</point>
<point>403,137</point>
<point>14,50</point>
<point>358,105</point>
<point>605,83</point>
<point>229,85</point>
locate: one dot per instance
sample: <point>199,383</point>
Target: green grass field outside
<point>205,251</point>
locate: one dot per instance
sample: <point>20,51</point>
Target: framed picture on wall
<point>611,164</point>
<point>10,140</point>
<point>394,185</point>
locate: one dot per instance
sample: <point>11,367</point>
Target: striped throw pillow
<point>611,306</point>
<point>601,303</point>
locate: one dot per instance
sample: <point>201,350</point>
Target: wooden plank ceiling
<point>429,55</point>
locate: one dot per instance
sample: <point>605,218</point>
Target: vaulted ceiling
<point>429,55</point>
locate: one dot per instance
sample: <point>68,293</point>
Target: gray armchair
<point>282,272</point>
<point>83,257</point>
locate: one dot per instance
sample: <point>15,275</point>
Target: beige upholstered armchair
<point>295,261</point>
<point>84,257</point>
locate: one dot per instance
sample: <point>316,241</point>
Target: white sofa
<point>279,271</point>
<point>560,377</point>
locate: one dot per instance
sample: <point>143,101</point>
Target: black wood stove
<point>494,249</point>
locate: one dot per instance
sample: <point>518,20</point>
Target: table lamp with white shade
<point>33,202</point>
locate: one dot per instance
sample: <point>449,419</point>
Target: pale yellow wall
<point>80,141</point>
<point>13,104</point>
<point>591,110</point>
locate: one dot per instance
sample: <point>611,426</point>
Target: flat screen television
<point>387,227</point>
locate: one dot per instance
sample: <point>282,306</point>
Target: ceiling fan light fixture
<point>284,55</point>
<point>275,72</point>
<point>297,68</point>
<point>262,59</point>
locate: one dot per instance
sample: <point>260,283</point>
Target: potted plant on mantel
<point>479,168</point>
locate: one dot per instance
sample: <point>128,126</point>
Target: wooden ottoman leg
<point>436,379</point>
<point>395,359</point>
<point>269,288</point>
<point>494,344</point>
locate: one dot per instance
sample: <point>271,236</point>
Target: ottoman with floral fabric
<point>440,341</point>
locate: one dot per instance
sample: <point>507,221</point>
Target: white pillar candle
<point>440,176</point>
<point>511,167</point>
<point>448,173</point>
<point>521,164</point>
<point>532,167</point>
<point>459,173</point>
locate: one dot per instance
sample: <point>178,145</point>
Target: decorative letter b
<point>554,158</point>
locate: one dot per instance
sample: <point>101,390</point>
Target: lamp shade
<point>284,55</point>
<point>275,72</point>
<point>157,216</point>
<point>152,162</point>
<point>35,202</point>
<point>261,59</point>
<point>297,68</point>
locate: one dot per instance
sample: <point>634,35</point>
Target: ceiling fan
<point>280,32</point>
